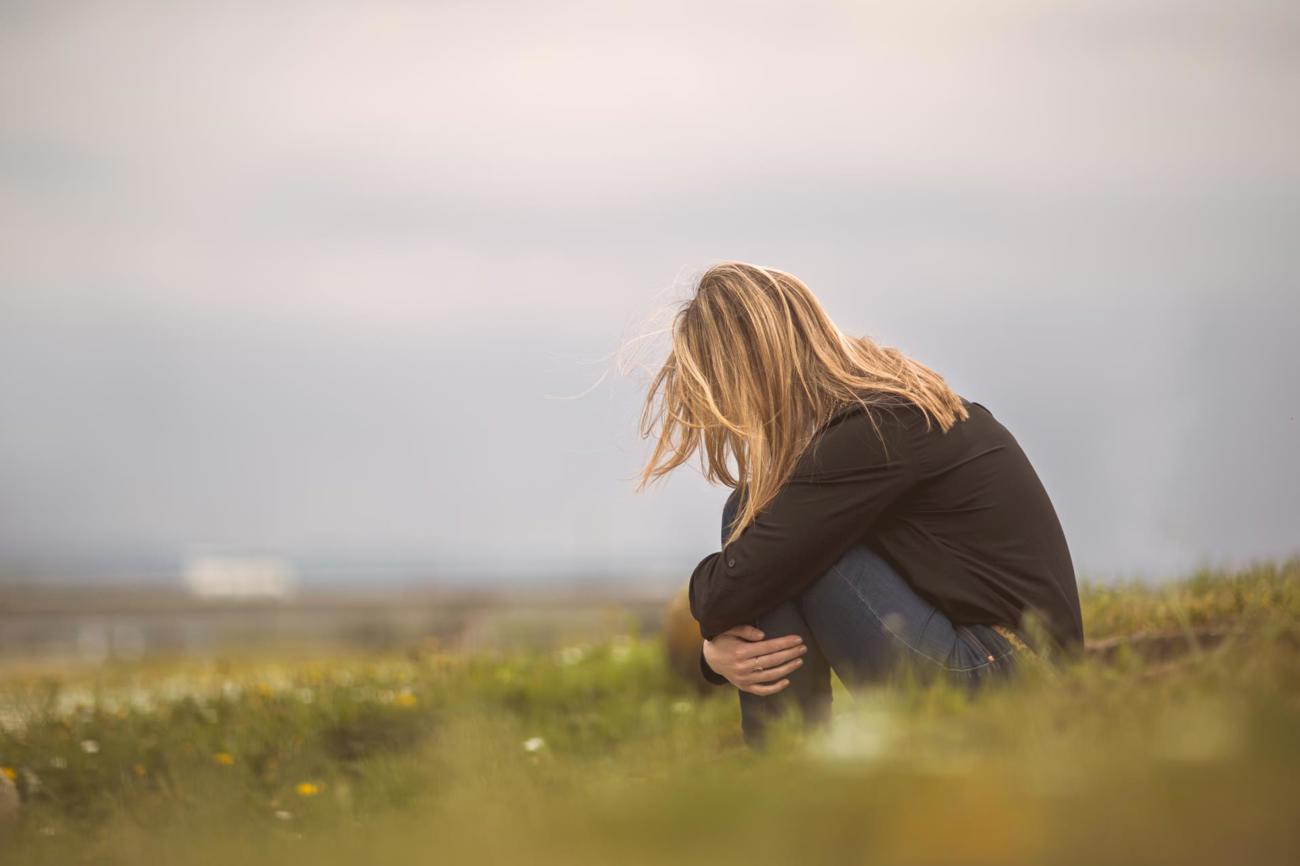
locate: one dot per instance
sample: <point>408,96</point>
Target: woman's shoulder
<point>857,435</point>
<point>886,404</point>
<point>879,407</point>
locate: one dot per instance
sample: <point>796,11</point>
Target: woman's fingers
<point>747,632</point>
<point>767,674</point>
<point>771,660</point>
<point>758,689</point>
<point>764,647</point>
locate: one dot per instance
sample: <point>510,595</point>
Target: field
<point>1185,750</point>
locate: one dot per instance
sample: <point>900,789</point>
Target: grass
<point>597,754</point>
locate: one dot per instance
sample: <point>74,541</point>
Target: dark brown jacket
<point>961,515</point>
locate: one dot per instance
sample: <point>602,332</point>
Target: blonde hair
<point>756,369</point>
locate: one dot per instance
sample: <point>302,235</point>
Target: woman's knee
<point>865,574</point>
<point>863,596</point>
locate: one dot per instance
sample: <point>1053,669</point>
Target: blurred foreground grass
<point>597,754</point>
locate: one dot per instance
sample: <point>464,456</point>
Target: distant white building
<point>223,575</point>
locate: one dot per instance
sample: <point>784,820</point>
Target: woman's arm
<point>743,657</point>
<point>837,491</point>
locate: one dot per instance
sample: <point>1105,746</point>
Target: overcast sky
<point>347,281</point>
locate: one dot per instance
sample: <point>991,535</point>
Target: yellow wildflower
<point>9,773</point>
<point>405,699</point>
<point>307,789</point>
<point>139,770</point>
<point>225,759</point>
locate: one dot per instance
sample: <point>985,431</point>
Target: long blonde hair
<point>757,368</point>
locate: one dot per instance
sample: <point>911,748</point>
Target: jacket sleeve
<point>839,488</point>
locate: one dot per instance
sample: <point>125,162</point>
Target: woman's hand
<point>739,652</point>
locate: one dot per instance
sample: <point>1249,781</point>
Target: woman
<point>877,517</point>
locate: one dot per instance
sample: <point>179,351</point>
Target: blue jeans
<point>863,620</point>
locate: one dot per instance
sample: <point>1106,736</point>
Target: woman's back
<point>961,515</point>
<point>975,531</point>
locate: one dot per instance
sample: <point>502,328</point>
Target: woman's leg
<point>869,622</point>
<point>810,683</point>
<point>862,619</point>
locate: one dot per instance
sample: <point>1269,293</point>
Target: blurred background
<point>314,316</point>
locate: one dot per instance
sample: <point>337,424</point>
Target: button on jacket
<point>961,515</point>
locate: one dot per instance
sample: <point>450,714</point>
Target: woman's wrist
<point>709,673</point>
